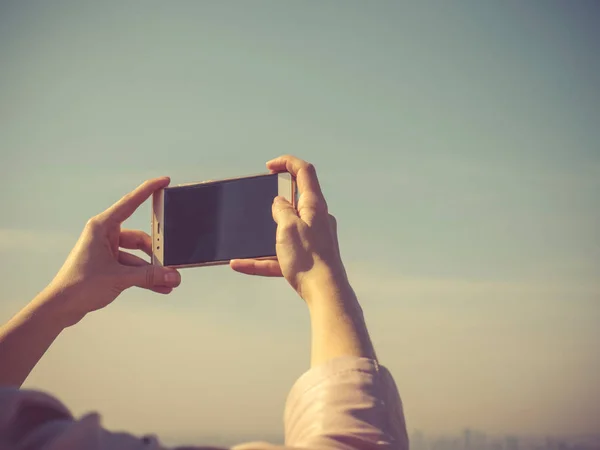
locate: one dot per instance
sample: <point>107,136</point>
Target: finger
<point>149,276</point>
<point>162,290</point>
<point>306,176</point>
<point>283,211</point>
<point>263,268</point>
<point>136,240</point>
<point>125,207</point>
<point>128,259</point>
<point>334,233</point>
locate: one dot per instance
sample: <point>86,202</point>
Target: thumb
<point>149,277</point>
<point>283,211</point>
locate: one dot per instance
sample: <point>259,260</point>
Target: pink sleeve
<point>346,404</point>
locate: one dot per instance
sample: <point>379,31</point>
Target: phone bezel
<point>286,189</point>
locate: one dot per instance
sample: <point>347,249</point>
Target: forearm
<point>27,336</point>
<point>347,400</point>
<point>338,327</point>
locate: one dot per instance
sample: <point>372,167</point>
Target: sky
<point>457,144</point>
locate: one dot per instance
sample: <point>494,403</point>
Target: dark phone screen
<point>220,221</point>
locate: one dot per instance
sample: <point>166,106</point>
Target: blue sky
<point>457,143</point>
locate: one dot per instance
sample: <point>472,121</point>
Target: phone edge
<point>286,188</point>
<point>158,226</point>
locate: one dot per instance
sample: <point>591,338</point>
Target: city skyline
<point>466,439</point>
<point>470,439</point>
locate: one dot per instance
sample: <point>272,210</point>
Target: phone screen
<point>220,221</point>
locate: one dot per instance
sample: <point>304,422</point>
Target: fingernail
<point>172,278</point>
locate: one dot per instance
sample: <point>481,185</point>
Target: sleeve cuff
<point>320,374</point>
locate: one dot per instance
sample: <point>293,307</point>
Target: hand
<point>307,245</point>
<point>97,271</point>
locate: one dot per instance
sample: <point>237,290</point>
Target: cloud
<point>372,279</point>
<point>379,280</point>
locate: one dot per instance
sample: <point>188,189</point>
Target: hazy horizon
<point>457,144</point>
<point>424,441</point>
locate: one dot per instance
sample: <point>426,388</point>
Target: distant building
<point>496,445</point>
<point>479,441</point>
<point>467,439</point>
<point>417,441</point>
<point>512,443</point>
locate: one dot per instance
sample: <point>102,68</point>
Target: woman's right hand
<point>308,254</point>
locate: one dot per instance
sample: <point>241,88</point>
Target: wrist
<point>27,336</point>
<point>43,314</point>
<point>338,325</point>
<point>55,304</point>
<point>328,290</point>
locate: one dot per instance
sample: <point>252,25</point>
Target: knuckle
<point>150,276</point>
<point>317,204</point>
<point>287,227</point>
<point>252,269</point>
<point>138,240</point>
<point>93,223</point>
<point>310,168</point>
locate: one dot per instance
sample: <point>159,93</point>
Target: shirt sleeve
<point>346,404</point>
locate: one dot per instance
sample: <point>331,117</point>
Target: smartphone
<point>213,222</point>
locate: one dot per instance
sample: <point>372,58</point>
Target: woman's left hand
<point>97,270</point>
